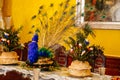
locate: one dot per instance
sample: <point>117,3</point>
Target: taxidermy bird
<point>33,50</point>
<point>44,52</point>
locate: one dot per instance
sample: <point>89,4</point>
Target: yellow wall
<point>110,40</point>
<point>23,10</point>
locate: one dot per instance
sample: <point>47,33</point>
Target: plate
<point>80,76</point>
<point>9,64</point>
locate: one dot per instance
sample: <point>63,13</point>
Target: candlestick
<point>36,73</point>
<point>102,70</point>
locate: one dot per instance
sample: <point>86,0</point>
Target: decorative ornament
<point>33,50</point>
<point>10,39</point>
<point>71,50</point>
<point>3,39</point>
<point>91,48</point>
<point>44,52</point>
<point>86,42</point>
<point>80,45</point>
<point>6,35</point>
<point>83,52</point>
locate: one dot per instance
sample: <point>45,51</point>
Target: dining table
<point>60,74</point>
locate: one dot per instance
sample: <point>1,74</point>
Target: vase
<point>79,68</point>
<point>36,72</point>
<point>9,58</point>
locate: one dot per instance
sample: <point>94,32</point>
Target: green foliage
<point>80,49</point>
<point>9,39</point>
<point>44,52</point>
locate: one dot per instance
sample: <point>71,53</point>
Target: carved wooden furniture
<point>112,65</point>
<point>22,53</point>
<point>99,62</point>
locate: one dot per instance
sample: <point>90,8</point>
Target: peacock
<point>33,50</point>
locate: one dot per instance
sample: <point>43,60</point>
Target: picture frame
<point>108,23</point>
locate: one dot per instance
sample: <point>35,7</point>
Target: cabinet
<point>112,65</point>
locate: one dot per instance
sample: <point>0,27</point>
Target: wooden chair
<point>60,55</point>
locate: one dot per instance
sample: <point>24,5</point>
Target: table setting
<point>61,74</point>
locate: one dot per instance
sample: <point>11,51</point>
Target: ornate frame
<point>96,25</point>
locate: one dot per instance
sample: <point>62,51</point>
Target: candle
<point>102,70</point>
<point>36,73</point>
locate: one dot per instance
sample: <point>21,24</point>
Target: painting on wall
<point>102,10</point>
<point>100,13</point>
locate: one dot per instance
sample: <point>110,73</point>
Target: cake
<point>9,58</point>
<point>79,68</point>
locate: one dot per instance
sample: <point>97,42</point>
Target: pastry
<point>80,68</point>
<point>9,58</point>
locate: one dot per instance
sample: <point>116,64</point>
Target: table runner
<point>61,74</point>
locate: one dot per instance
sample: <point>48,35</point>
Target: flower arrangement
<point>51,30</point>
<point>9,39</point>
<point>80,47</point>
<point>55,28</point>
<point>39,57</point>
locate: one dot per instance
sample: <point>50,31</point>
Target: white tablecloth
<point>57,75</point>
